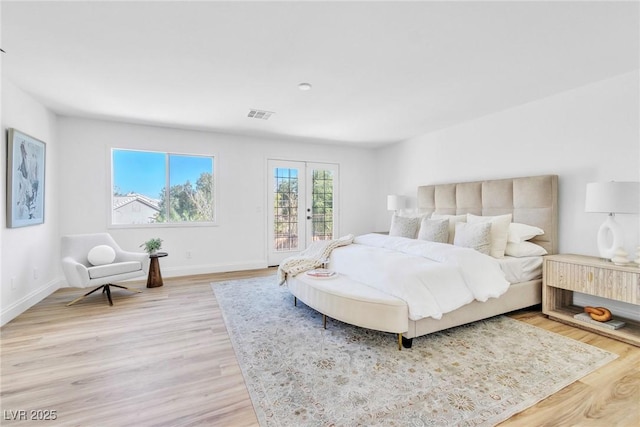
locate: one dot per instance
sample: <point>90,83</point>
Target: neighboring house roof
<point>120,201</point>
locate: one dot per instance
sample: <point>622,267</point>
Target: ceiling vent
<point>260,114</point>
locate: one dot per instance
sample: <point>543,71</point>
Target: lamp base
<point>612,227</point>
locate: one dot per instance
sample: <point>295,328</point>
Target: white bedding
<point>432,278</point>
<point>521,269</point>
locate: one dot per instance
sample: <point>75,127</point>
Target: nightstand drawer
<point>603,282</point>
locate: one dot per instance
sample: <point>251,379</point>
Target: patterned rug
<point>299,374</point>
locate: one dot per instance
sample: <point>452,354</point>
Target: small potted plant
<point>152,246</point>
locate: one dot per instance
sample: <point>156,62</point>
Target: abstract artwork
<point>25,179</point>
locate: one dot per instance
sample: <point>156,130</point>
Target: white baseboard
<point>24,303</point>
<point>622,309</point>
<point>192,270</point>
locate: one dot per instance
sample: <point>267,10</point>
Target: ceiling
<point>381,71</point>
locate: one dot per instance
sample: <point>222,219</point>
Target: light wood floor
<point>163,358</point>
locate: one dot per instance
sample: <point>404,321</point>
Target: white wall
<point>34,248</point>
<point>239,240</point>
<point>585,135</point>
<point>589,134</point>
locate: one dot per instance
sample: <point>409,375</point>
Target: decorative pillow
<point>476,236</point>
<point>453,219</point>
<point>499,231</point>
<point>404,227</point>
<point>434,230</point>
<point>102,254</point>
<point>519,233</point>
<point>524,249</point>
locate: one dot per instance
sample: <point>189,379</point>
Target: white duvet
<point>433,278</point>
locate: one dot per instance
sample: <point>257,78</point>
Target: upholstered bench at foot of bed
<point>352,302</point>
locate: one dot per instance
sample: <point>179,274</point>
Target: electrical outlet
<point>35,274</point>
<point>188,255</point>
<point>13,283</point>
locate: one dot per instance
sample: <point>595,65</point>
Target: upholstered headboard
<point>531,200</point>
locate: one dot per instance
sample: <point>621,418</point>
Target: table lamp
<point>612,198</point>
<point>395,203</point>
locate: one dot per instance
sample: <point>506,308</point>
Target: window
<point>161,188</point>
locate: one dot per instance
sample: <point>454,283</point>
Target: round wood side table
<point>154,279</point>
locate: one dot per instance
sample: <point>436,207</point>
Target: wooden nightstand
<point>565,274</point>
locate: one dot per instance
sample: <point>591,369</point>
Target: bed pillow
<point>101,255</point>
<point>519,233</point>
<point>476,236</point>
<point>453,220</point>
<point>524,249</point>
<point>434,230</point>
<point>404,227</point>
<point>499,231</point>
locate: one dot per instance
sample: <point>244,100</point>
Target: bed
<point>354,297</point>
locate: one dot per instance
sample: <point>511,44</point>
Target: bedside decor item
<point>26,157</point>
<point>599,314</point>
<point>612,198</point>
<point>395,203</point>
<point>610,324</point>
<point>620,257</point>
<point>152,246</point>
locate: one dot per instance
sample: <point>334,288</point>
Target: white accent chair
<point>80,273</point>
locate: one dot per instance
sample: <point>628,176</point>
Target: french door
<point>302,206</point>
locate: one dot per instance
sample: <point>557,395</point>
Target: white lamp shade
<point>395,203</point>
<point>613,197</point>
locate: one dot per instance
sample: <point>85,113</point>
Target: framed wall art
<point>26,158</point>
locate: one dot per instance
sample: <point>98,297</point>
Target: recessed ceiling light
<point>304,86</point>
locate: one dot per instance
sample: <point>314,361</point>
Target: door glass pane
<point>285,209</point>
<point>322,221</point>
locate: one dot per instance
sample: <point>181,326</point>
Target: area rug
<point>299,374</point>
